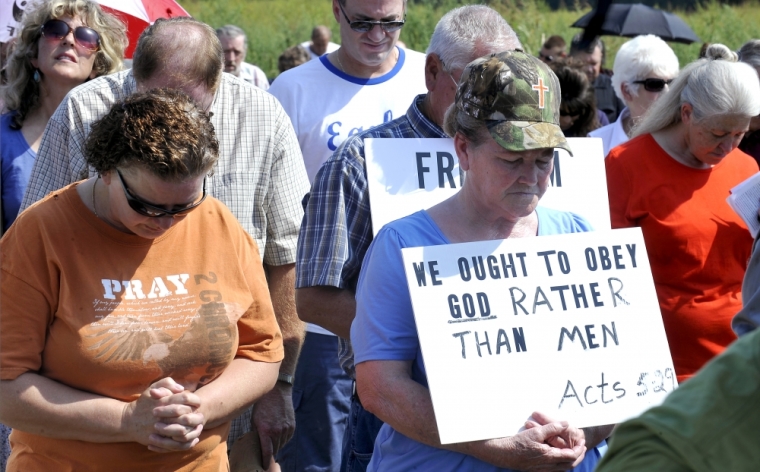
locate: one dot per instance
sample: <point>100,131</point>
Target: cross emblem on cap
<point>541,89</point>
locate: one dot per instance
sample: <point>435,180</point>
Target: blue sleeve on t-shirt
<point>17,160</point>
<point>384,327</point>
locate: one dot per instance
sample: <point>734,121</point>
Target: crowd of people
<point>190,276</point>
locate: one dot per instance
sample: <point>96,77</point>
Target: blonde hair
<point>714,86</point>
<point>21,93</point>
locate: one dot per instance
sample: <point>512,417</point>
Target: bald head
<point>320,38</point>
<point>181,51</point>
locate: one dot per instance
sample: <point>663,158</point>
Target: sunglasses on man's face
<point>363,26</point>
<point>56,30</point>
<point>654,85</point>
<point>146,209</point>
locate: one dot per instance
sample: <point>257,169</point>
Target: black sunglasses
<point>654,85</point>
<point>152,211</point>
<point>86,37</point>
<point>363,26</point>
<point>545,58</point>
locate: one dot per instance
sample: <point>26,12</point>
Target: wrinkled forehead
<point>237,43</point>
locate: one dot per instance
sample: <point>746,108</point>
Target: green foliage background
<point>274,25</point>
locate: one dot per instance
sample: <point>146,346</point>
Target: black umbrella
<point>624,19</point>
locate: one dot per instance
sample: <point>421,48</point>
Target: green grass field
<point>274,25</point>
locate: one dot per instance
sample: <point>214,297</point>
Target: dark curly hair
<point>162,131</point>
<point>577,97</point>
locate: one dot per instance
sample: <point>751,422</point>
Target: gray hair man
<point>262,182</point>
<point>337,228</point>
<point>644,67</point>
<point>366,82</point>
<point>320,43</point>
<point>235,47</point>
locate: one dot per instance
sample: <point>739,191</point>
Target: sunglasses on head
<point>363,26</point>
<point>654,85</point>
<point>146,209</point>
<point>86,37</point>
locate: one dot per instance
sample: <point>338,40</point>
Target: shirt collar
<point>420,123</point>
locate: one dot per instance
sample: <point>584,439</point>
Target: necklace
<point>94,208</point>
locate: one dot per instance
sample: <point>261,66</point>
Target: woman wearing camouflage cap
<point>505,124</point>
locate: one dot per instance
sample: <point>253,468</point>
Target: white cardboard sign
<point>568,325</point>
<point>408,175</point>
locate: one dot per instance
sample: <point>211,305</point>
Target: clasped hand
<point>165,417</point>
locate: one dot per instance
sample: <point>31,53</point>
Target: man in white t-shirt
<point>366,82</point>
<point>235,47</point>
<point>320,43</point>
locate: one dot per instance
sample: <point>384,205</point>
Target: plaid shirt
<point>337,226</point>
<point>260,174</point>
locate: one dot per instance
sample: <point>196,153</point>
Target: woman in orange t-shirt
<point>135,318</point>
<point>672,180</point>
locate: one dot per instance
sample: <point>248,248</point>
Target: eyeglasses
<point>86,37</point>
<point>654,85</point>
<point>448,72</point>
<point>146,209</point>
<point>363,26</point>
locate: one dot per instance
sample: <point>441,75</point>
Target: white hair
<point>714,86</point>
<point>639,58</point>
<point>462,33</point>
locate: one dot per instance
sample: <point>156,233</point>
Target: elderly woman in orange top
<point>672,180</point>
<point>135,319</point>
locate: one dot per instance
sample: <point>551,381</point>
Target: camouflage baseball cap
<point>517,96</point>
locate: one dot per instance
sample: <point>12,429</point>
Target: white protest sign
<point>10,16</point>
<point>408,175</point>
<point>568,325</point>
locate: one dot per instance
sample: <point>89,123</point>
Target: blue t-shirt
<point>17,162</point>
<point>384,329</point>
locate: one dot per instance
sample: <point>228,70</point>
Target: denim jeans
<point>359,440</point>
<point>321,399</point>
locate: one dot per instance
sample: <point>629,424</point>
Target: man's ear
<point>336,10</point>
<point>433,70</point>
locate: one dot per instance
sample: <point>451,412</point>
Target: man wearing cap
<point>505,123</point>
